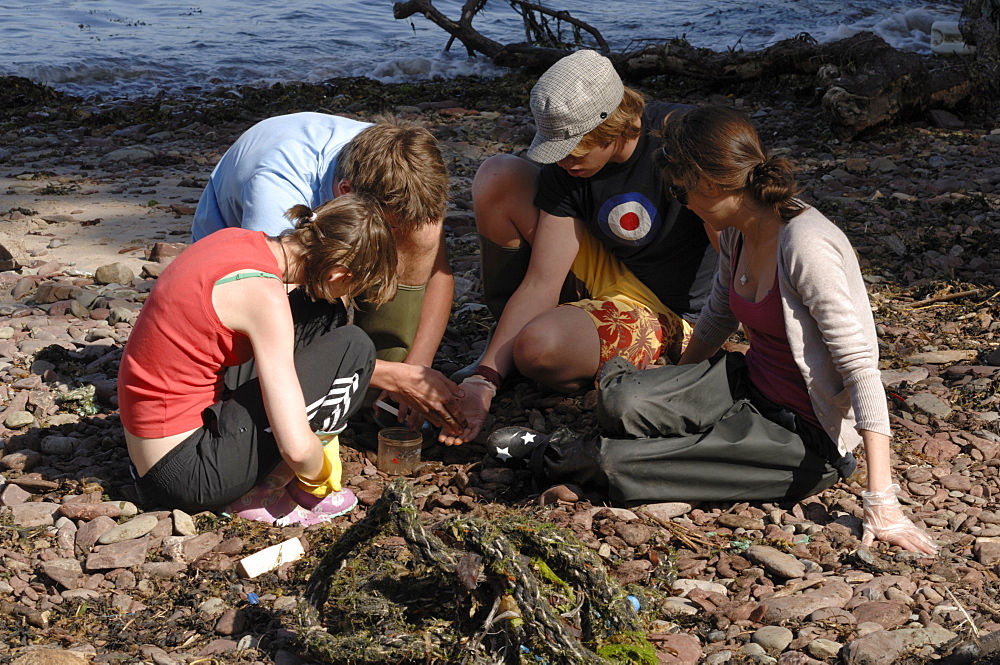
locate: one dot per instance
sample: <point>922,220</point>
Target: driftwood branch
<point>533,32</point>
<point>947,297</point>
<point>461,29</point>
<point>862,81</point>
<point>536,23</point>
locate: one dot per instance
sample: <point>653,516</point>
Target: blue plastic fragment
<point>253,598</point>
<point>636,605</point>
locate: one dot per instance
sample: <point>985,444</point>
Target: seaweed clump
<point>472,591</point>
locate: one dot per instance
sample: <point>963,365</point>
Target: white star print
<point>504,453</point>
<point>528,437</point>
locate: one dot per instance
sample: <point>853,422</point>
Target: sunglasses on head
<point>679,193</point>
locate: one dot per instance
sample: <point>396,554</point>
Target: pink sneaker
<point>309,510</point>
<point>278,506</point>
<point>264,504</point>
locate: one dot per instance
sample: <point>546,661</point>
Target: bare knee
<point>536,352</point>
<point>552,357</point>
<point>503,194</point>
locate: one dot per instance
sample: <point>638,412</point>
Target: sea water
<point>125,48</point>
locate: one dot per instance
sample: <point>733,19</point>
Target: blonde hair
<point>399,164</point>
<point>621,124</point>
<point>719,144</point>
<point>349,232</point>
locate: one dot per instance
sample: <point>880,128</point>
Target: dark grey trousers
<point>699,433</point>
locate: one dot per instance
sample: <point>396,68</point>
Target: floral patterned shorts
<point>634,332</point>
<point>631,321</point>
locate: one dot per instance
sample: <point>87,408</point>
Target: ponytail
<point>772,182</point>
<point>348,232</point>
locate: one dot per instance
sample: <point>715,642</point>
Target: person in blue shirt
<point>310,158</point>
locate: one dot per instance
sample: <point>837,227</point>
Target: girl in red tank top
<point>228,381</point>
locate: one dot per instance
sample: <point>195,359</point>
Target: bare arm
<point>436,309</point>
<point>423,259</point>
<point>258,308</point>
<point>556,243</point>
<point>696,351</point>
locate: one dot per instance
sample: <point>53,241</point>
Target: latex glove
<point>328,481</point>
<point>475,404</point>
<point>884,519</point>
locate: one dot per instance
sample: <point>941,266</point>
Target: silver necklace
<point>746,261</point>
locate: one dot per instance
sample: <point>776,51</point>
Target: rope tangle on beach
<point>508,551</point>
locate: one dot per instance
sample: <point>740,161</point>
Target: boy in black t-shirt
<point>599,208</point>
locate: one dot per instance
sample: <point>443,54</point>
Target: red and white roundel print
<point>630,218</point>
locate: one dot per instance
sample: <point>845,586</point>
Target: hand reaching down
<point>884,519</point>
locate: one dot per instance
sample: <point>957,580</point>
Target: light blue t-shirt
<point>278,163</point>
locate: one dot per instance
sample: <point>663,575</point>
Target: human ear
<point>340,274</point>
<point>342,187</point>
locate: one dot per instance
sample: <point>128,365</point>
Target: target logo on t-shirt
<point>629,218</point>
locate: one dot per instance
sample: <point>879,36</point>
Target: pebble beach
<point>97,199</point>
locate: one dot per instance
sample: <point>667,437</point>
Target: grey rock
<point>183,523</point>
<point>796,658</point>
<point>823,649</point>
<point>88,533</point>
<point>114,273</point>
<point>163,570</point>
<point>878,648</point>
<point>929,404</point>
<point>13,495</point>
<point>677,605</point>
<point>684,586</point>
<point>774,639</point>
<point>59,445</point>
<point>158,655</point>
<point>124,554</point>
<point>128,509</point>
<point>775,562</point>
<point>40,513</point>
<point>128,155</point>
<point>834,594</point>
<point>18,419</point>
<point>80,594</point>
<point>212,607</point>
<point>883,164</point>
<point>67,572</point>
<point>893,377</point>
<point>741,522</point>
<point>48,656</point>
<point>932,633</point>
<point>136,527</point>
<point>942,357</point>
<point>945,120</point>
<point>752,649</point>
<point>666,511</point>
